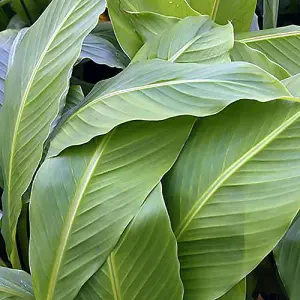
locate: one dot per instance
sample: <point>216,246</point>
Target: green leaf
<point>242,52</point>
<point>74,97</point>
<point>293,85</point>
<point>271,8</point>
<point>16,23</point>
<point>106,31</point>
<point>35,86</point>
<point>233,193</point>
<point>103,52</point>
<point>15,284</point>
<point>144,263</point>
<point>238,292</point>
<point>157,90</point>
<point>7,38</point>
<point>278,44</point>
<point>194,40</point>
<point>287,256</point>
<point>239,12</point>
<point>93,192</point>
<point>128,38</point>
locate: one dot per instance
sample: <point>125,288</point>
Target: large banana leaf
<point>242,52</point>
<point>238,292</point>
<point>287,255</point>
<point>35,85</point>
<point>193,39</point>
<point>157,90</point>
<point>293,85</point>
<point>280,45</point>
<point>144,264</point>
<point>128,38</point>
<point>7,38</point>
<point>240,12</point>
<point>233,193</point>
<point>89,194</point>
<point>15,285</point>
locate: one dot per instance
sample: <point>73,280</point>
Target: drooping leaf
<point>106,31</point>
<point>93,192</point>
<point>144,263</point>
<point>240,12</point>
<point>271,8</point>
<point>233,193</point>
<point>74,97</point>
<point>15,284</point>
<point>128,38</point>
<point>287,256</point>
<point>103,52</point>
<point>7,38</point>
<point>280,45</point>
<point>238,292</point>
<point>194,39</point>
<point>35,86</point>
<point>157,90</point>
<point>293,85</point>
<point>242,52</point>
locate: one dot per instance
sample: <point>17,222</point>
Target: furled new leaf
<point>293,85</point>
<point>7,38</point>
<point>15,284</point>
<point>144,264</point>
<point>157,90</point>
<point>89,194</point>
<point>193,39</point>
<point>280,45</point>
<point>240,12</point>
<point>233,193</point>
<point>128,38</point>
<point>101,51</point>
<point>287,256</point>
<point>238,292</point>
<point>242,52</point>
<point>35,85</point>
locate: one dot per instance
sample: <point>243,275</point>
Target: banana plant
<point>173,179</point>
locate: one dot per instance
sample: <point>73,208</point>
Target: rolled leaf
<point>93,192</point>
<point>128,38</point>
<point>144,264</point>
<point>287,256</point>
<point>239,12</point>
<point>278,44</point>
<point>242,52</point>
<point>233,193</point>
<point>157,90</point>
<point>15,284</point>
<point>7,38</point>
<point>36,83</point>
<point>194,39</point>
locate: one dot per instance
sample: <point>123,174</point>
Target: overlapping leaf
<point>293,85</point>
<point>280,45</point>
<point>129,39</point>
<point>233,193</point>
<point>144,264</point>
<point>287,255</point>
<point>75,97</point>
<point>157,90</point>
<point>35,85</point>
<point>15,284</point>
<point>240,12</point>
<point>89,194</point>
<point>271,8</point>
<point>194,39</point>
<point>238,292</point>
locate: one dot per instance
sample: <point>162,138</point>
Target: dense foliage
<point>175,176</point>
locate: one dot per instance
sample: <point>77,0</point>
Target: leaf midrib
<point>210,191</point>
<point>71,215</point>
<point>269,37</point>
<point>215,9</point>
<point>114,277</point>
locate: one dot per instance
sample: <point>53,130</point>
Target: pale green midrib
<point>269,37</point>
<point>215,9</point>
<point>228,173</point>
<point>75,202</point>
<point>150,86</point>
<point>114,278</point>
<point>20,112</point>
